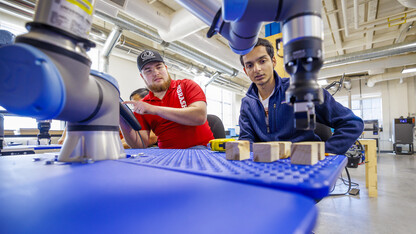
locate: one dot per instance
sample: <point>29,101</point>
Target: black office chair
<point>323,131</point>
<point>216,126</point>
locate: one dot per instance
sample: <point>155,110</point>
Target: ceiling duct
<point>170,27</point>
<point>174,47</point>
<point>390,76</point>
<point>183,26</point>
<point>408,3</point>
<point>109,44</point>
<point>385,51</point>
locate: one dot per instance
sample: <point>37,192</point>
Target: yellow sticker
<point>85,5</point>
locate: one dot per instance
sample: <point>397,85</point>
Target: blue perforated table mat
<point>313,181</point>
<point>116,197</point>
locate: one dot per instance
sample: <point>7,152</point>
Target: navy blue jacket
<point>347,126</point>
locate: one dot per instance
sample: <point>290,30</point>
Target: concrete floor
<point>393,211</point>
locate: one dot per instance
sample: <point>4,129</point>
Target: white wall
<point>127,74</point>
<point>398,99</point>
<point>13,24</point>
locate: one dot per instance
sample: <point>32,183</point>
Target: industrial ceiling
<point>370,39</point>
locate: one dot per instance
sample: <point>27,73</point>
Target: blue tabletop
<point>314,181</point>
<point>120,197</point>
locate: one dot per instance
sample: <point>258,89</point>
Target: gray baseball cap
<point>148,56</point>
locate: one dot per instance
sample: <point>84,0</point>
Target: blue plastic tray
<point>312,181</point>
<point>118,197</point>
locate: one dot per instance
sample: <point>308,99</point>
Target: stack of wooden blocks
<point>304,153</point>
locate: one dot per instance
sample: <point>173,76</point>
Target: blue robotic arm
<point>46,75</point>
<point>239,21</point>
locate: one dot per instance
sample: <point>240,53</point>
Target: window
<point>372,109</point>
<point>368,108</point>
<point>219,103</point>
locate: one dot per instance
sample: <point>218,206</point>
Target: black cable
<point>141,139</point>
<point>349,185</point>
<point>353,184</point>
<point>340,82</point>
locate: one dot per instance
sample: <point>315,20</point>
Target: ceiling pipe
<point>12,10</point>
<point>211,79</point>
<point>108,47</point>
<point>363,66</point>
<point>380,52</point>
<point>184,26</point>
<point>183,67</point>
<point>174,47</point>
<point>389,76</point>
<point>27,10</point>
<point>169,60</point>
<point>170,27</point>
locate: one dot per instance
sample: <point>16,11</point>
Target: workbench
<point>29,149</point>
<point>161,191</point>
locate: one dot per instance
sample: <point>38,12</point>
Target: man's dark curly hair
<point>265,43</point>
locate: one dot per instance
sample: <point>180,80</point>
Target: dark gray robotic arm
<point>46,74</point>
<point>240,22</point>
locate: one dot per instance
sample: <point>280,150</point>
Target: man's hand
<point>193,115</point>
<point>142,107</point>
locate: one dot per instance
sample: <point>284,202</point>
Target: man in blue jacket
<point>264,117</point>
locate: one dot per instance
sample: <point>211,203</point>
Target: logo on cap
<point>147,55</point>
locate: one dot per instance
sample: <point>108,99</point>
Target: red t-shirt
<point>172,135</point>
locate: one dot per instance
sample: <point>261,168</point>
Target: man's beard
<point>155,88</point>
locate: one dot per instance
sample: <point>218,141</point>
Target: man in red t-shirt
<point>175,110</point>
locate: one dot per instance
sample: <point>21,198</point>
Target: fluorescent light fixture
<point>409,70</point>
<point>322,82</point>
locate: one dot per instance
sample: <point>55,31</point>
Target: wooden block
<point>28,131</point>
<point>304,153</point>
<point>56,132</point>
<point>321,150</point>
<point>284,149</point>
<point>8,132</point>
<point>266,151</point>
<point>237,150</point>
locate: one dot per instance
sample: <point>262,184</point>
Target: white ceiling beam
<point>354,44</point>
<point>371,15</point>
<point>333,24</point>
